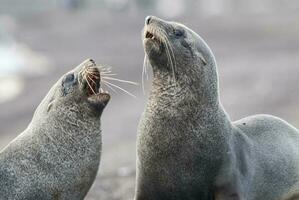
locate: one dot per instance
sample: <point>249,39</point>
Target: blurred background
<point>256,44</point>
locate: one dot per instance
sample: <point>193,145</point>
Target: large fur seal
<point>188,148</point>
<point>58,155</point>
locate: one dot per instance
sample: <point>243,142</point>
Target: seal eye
<point>69,78</point>
<point>178,32</point>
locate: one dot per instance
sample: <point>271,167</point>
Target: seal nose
<point>148,20</point>
<point>92,61</point>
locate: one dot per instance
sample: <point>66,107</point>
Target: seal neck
<point>195,101</point>
<point>201,91</point>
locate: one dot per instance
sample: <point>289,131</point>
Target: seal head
<point>180,58</point>
<point>81,89</point>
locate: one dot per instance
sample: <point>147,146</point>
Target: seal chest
<point>58,155</point>
<point>187,146</point>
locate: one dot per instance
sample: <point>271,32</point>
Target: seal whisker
<point>108,74</point>
<point>102,69</point>
<point>79,79</point>
<point>118,87</point>
<point>169,53</point>
<point>90,87</point>
<point>88,70</point>
<point>83,75</point>
<point>106,71</point>
<point>169,57</point>
<point>99,67</point>
<point>162,37</point>
<point>91,79</point>
<point>94,75</point>
<point>144,70</point>
<point>120,80</point>
<point>143,73</point>
<point>147,64</point>
<point>110,87</point>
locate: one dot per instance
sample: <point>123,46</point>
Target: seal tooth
<point>149,35</point>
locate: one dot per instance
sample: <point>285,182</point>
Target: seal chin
<point>152,42</point>
<point>153,48</point>
<point>99,100</point>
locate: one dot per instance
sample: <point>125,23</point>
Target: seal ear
<point>49,106</point>
<point>202,58</point>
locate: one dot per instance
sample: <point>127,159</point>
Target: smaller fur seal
<point>58,155</point>
<point>188,148</point>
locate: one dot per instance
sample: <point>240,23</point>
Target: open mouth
<point>149,35</point>
<point>95,93</point>
<point>94,82</point>
<point>153,42</point>
<point>91,78</point>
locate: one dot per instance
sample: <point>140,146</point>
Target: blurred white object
<point>16,60</point>
<point>10,87</point>
<point>20,59</point>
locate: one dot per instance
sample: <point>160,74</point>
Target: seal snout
<point>154,36</point>
<point>148,20</point>
<point>150,29</point>
<point>153,19</point>
<point>91,77</point>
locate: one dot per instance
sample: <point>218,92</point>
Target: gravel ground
<point>257,59</point>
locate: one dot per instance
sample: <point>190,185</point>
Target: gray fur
<point>188,148</point>
<point>58,155</point>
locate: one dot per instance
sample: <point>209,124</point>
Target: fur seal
<point>58,155</point>
<point>187,146</point>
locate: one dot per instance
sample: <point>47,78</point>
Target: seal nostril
<point>91,60</point>
<point>148,20</point>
